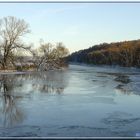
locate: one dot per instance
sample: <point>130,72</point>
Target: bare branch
<point>11,31</point>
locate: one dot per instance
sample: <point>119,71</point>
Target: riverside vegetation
<point>126,53</point>
<point>16,55</point>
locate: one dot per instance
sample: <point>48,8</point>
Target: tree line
<point>14,52</point>
<point>125,53</point>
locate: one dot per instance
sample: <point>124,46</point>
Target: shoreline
<point>15,71</point>
<point>78,64</point>
<point>102,65</point>
<point>24,71</point>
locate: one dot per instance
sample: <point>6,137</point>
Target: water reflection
<point>11,113</point>
<point>50,82</point>
<point>15,88</point>
<point>124,89</point>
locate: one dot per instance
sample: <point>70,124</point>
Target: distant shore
<point>101,65</point>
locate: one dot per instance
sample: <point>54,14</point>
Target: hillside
<point>126,53</point>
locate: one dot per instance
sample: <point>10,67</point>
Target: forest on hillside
<point>126,53</point>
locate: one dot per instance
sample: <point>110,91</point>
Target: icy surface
<point>79,102</point>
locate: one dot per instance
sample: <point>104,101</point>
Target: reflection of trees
<point>48,88</point>
<point>50,82</point>
<point>11,113</point>
<point>125,89</point>
<point>13,89</point>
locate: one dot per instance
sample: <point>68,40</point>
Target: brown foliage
<point>125,53</point>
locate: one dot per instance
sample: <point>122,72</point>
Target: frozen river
<point>81,101</point>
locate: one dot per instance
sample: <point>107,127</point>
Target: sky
<point>77,25</point>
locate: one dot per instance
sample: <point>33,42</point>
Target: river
<point>81,101</point>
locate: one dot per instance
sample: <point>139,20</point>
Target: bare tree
<point>61,50</point>
<point>49,57</point>
<point>11,32</point>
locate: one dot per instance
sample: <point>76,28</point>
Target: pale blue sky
<point>77,25</point>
